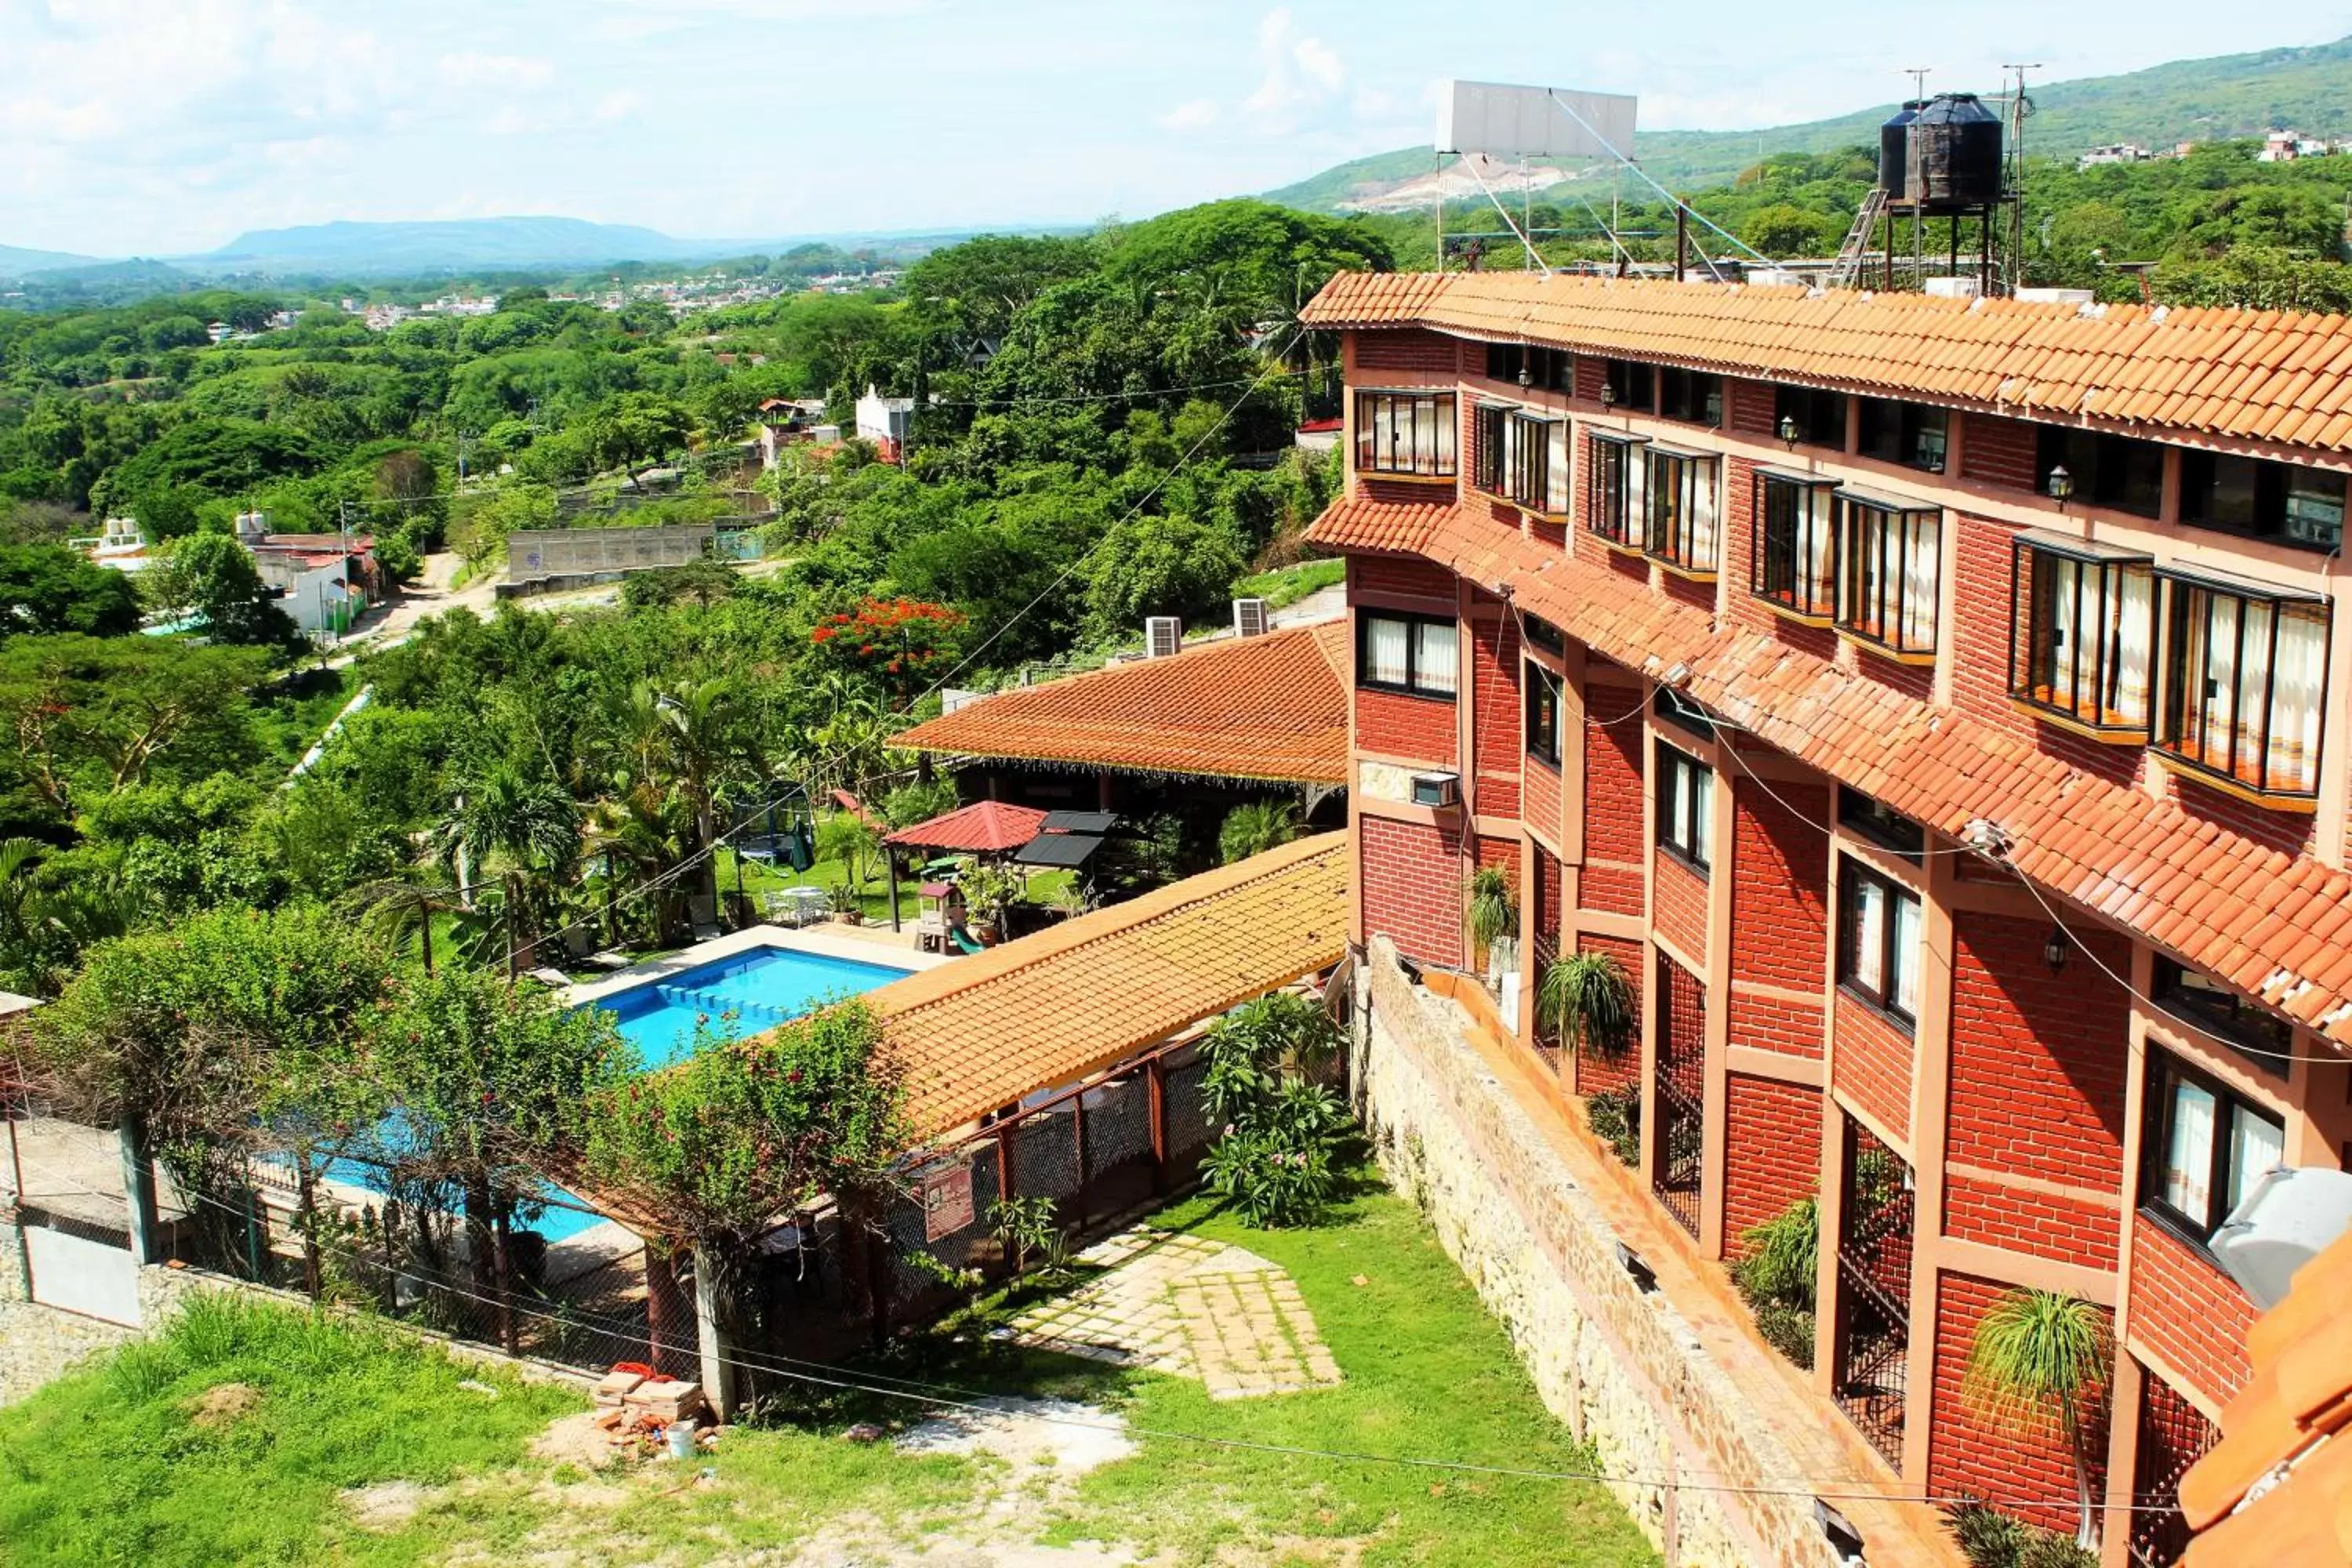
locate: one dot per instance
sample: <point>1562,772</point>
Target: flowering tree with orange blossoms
<point>898,643</point>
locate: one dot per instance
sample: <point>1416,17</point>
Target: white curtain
<point>1425,435</point>
<point>1821,539</point>
<point>1705,536</point>
<point>2065,628</point>
<point>2256,1147</point>
<point>1904,913</point>
<point>1514,441</point>
<point>1702,809</point>
<point>2189,1159</point>
<point>1384,651</point>
<point>2133,644</point>
<point>1440,417</point>
<point>1919,630</point>
<point>1435,656</point>
<point>1556,495</point>
<point>1869,936</point>
<point>2218,625</point>
<point>2294,700</point>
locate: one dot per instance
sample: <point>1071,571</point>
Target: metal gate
<point>2173,1435</point>
<point>1871,1373</point>
<point>1682,1093</point>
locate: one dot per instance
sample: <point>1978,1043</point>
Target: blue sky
<point>157,126</point>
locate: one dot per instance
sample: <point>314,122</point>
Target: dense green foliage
<point>1278,1160</point>
<point>1775,1275</point>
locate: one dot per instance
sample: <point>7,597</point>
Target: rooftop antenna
<point>1918,75</point>
<point>2019,107</point>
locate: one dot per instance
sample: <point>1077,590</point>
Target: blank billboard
<point>1506,121</point>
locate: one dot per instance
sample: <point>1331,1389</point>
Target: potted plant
<point>1586,999</point>
<point>2037,1359</point>
<point>989,890</point>
<point>1494,925</point>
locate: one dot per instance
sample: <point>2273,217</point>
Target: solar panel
<point>1096,822</point>
<point>1064,851</point>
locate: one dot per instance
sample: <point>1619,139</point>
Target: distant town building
<point>2114,153</point>
<point>885,421</point>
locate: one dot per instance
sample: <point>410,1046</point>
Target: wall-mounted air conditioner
<point>1163,636</point>
<point>1249,617</point>
<point>1440,790</point>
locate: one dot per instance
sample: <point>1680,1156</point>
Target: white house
<point>884,421</point>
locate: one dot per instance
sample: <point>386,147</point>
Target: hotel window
<point>1543,714</point>
<point>1489,421</point>
<point>1881,823</point>
<point>2207,1147</point>
<point>1632,384</point>
<point>1793,552</point>
<point>1543,633</point>
<point>2113,471</point>
<point>1887,566</point>
<point>1680,527</point>
<point>1820,417</point>
<point>2082,642</point>
<point>1535,454</point>
<point>2245,681</point>
<point>1907,432</point>
<point>2256,496</point>
<point>1406,433</point>
<point>1686,807</point>
<point>1619,479</point>
<point>1405,653</point>
<point>1547,369</point>
<point>2255,1032</point>
<point>1692,395</point>
<point>1878,941</point>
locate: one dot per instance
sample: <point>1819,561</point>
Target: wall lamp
<point>1789,431</point>
<point>1607,396</point>
<point>2054,950</point>
<point>1525,378</point>
<point>2061,486</point>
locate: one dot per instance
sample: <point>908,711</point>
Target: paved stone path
<point>1190,1308</point>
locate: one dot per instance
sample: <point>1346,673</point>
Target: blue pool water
<point>741,996</point>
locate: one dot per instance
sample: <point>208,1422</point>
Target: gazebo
<point>983,827</point>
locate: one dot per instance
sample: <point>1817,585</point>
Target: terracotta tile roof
<point>983,1031</point>
<point>983,827</point>
<point>1359,522</point>
<point>2143,863</point>
<point>2301,1393</point>
<point>2276,375</point>
<point>1272,707</point>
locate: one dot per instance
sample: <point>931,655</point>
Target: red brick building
<point>1937,708</point>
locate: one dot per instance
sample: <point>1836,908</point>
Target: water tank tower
<point>1895,149</point>
<point>1954,164</point>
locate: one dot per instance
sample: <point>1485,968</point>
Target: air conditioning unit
<point>1249,617</point>
<point>1163,636</point>
<point>2290,1217</point>
<point>1440,790</point>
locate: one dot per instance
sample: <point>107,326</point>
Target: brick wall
<point>1401,575</point>
<point>1742,607</point>
<point>1413,887</point>
<point>1681,912</point>
<point>1406,348</point>
<point>1872,1064</point>
<point>2288,832</point>
<point>1395,724</point>
<point>2039,1224</point>
<point>2186,1311</point>
<point>1999,451</point>
<point>1590,375</point>
<point>1772,1150</point>
<point>1539,791</point>
<point>1682,591</point>
<point>1494,716</point>
<point>1596,1073</point>
<point>1614,810</point>
<point>1989,1456</point>
<point>1749,405</point>
<point>2038,1059</point>
<point>1780,886</point>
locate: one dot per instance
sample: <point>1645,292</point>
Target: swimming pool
<point>740,995</point>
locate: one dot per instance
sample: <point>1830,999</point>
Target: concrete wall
<point>1622,1368</point>
<point>564,552</point>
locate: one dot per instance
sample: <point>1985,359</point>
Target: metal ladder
<point>1847,272</point>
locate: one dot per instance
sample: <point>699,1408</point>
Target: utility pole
<point>1919,75</point>
<point>2018,108</point>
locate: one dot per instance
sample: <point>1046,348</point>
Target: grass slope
<point>2309,89</point>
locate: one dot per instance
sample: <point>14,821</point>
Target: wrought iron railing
<point>1871,1377</point>
<point>2173,1435</point>
<point>1681,1094</point>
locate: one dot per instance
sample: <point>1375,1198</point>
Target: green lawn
<point>1288,584</point>
<point>112,1464</point>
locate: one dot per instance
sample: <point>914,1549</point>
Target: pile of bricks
<point>635,1407</point>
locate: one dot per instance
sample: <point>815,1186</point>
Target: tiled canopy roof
<point>2301,1392</point>
<point>1272,707</point>
<point>983,1031</point>
<point>2275,375</point>
<point>2276,926</point>
<point>983,827</point>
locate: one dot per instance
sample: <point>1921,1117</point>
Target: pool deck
<point>817,943</point>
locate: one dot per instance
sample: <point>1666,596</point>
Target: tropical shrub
<point>1775,1276</point>
<point>1616,1118</point>
<point>1255,827</point>
<point>2039,1358</point>
<point>1586,1001</point>
<point>1285,1134</point>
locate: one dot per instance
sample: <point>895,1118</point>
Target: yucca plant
<point>1586,999</point>
<point>2038,1356</point>
<point>1494,908</point>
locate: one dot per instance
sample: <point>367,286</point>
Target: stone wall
<point>1621,1366</point>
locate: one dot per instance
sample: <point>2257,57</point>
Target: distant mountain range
<point>2307,89</point>
<point>356,249</point>
<point>18,262</point>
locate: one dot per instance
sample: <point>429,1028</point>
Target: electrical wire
<point>949,1396</point>
<point>1471,163</point>
<point>1642,174</point>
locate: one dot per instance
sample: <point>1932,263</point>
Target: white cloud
<point>1196,115</point>
<point>1302,73</point>
<point>468,69</point>
<point>619,105</point>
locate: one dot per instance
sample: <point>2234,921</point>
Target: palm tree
<point>522,828</point>
<point>2038,1358</point>
<point>1255,827</point>
<point>684,744</point>
<point>395,907</point>
<point>641,831</point>
<point>1586,998</point>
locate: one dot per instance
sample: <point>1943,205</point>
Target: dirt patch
<point>1072,1437</point>
<point>225,1404</point>
<point>385,1506</point>
<point>576,1439</point>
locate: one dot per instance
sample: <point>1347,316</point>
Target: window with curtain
<point>1405,433</point>
<point>1543,690</point>
<point>1907,432</point>
<point>2207,1148</point>
<point>1820,417</point>
<point>1686,807</point>
<point>1694,395</point>
<point>1536,462</point>
<point>1491,423</point>
<point>1397,652</point>
<point>1878,941</point>
<point>1680,525</point>
<point>2269,499</point>
<point>1888,567</point>
<point>2083,630</point>
<point>1793,557</point>
<point>2245,675</point>
<point>2252,1030</point>
<point>1619,477</point>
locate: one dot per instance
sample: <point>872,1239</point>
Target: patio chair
<point>553,979</point>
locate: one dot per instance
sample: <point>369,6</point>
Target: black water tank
<point>1955,163</point>
<point>1895,149</point>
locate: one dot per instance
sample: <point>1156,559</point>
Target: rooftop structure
<point>983,827</point>
<point>1934,708</point>
<point>1269,707</point>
